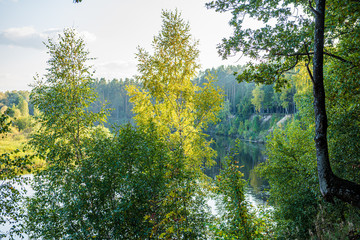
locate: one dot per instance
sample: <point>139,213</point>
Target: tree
<point>178,110</point>
<point>23,107</point>
<point>286,98</point>
<point>294,39</point>
<point>169,99</point>
<point>114,95</point>
<point>300,211</point>
<point>258,98</point>
<point>63,98</point>
<point>119,183</point>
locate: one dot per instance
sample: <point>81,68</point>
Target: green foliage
<point>255,123</point>
<point>291,171</point>
<point>23,123</point>
<point>4,123</point>
<point>65,123</point>
<point>23,106</point>
<point>11,191</point>
<point>113,93</point>
<point>300,212</point>
<point>134,185</point>
<point>224,115</point>
<point>245,100</point>
<point>169,99</point>
<point>63,98</point>
<point>13,112</point>
<point>286,96</point>
<point>114,96</point>
<point>279,45</point>
<point>236,221</point>
<point>129,186</point>
<point>344,110</point>
<point>179,110</point>
<point>183,213</point>
<point>258,98</point>
<point>107,196</point>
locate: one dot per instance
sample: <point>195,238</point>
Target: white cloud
<point>24,37</point>
<point>28,37</point>
<point>116,69</point>
<point>87,36</point>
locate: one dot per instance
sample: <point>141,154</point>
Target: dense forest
<point>245,104</point>
<point>126,158</point>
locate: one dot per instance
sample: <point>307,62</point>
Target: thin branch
<point>313,9</point>
<point>239,58</point>
<point>307,64</point>
<point>339,58</point>
<point>294,54</point>
<point>309,71</point>
<point>291,67</point>
<point>312,53</point>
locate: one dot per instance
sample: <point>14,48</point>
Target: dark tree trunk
<point>330,185</point>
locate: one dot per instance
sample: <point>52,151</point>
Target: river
<point>249,156</point>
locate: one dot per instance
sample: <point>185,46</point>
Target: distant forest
<point>245,103</point>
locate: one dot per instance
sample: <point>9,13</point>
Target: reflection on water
<point>248,155</point>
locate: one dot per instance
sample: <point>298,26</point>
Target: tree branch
<point>309,71</point>
<point>312,53</point>
<point>312,9</point>
<point>307,64</point>
<point>291,67</point>
<point>339,58</point>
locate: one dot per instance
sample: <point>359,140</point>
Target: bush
<point>236,221</point>
<point>22,123</point>
<point>130,186</point>
<point>300,211</point>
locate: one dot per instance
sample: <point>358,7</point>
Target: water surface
<point>249,155</point>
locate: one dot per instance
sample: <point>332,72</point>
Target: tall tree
<point>293,39</point>
<point>258,98</point>
<point>178,109</point>
<point>63,96</point>
<point>168,98</point>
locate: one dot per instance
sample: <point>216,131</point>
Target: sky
<point>112,29</point>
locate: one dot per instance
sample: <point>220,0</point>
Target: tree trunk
<point>330,185</point>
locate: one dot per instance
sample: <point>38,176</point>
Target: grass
<point>12,142</point>
<point>18,140</point>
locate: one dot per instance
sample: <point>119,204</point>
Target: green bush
<point>300,211</point>
<point>236,220</point>
<point>22,123</point>
<point>128,187</point>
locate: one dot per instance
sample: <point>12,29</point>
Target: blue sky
<point>112,29</point>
